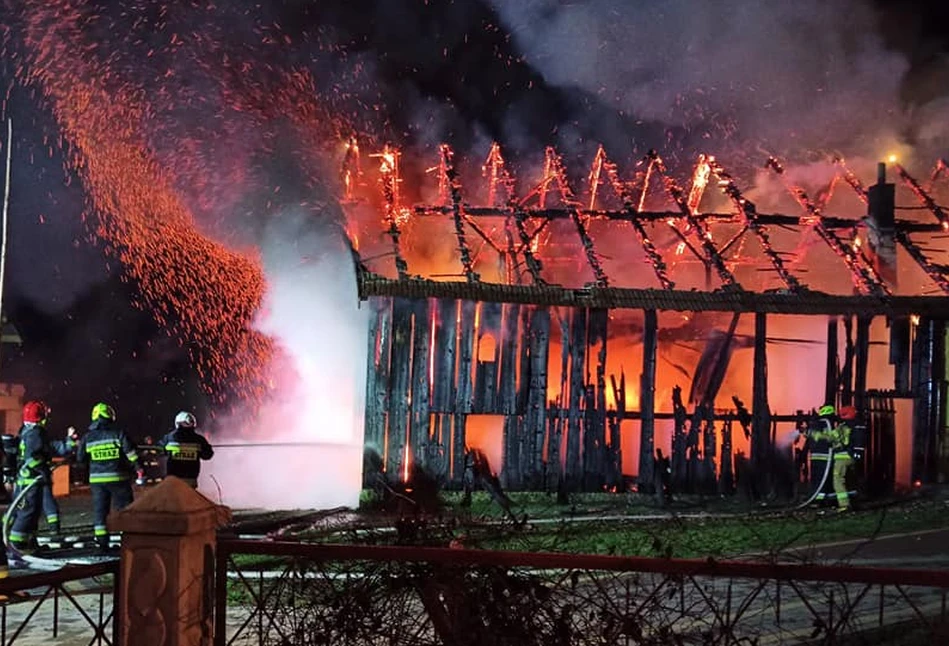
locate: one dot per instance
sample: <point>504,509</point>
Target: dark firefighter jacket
<point>109,452</point>
<point>839,438</point>
<point>36,451</point>
<point>185,449</point>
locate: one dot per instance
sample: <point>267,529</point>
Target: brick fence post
<point>166,578</point>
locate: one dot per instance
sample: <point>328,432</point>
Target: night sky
<point>439,70</point>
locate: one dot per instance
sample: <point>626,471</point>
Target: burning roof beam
<point>941,167</point>
<point>688,209</point>
<point>454,191</point>
<point>852,180</point>
<point>804,302</point>
<point>499,179</point>
<point>631,212</point>
<point>534,266</point>
<point>935,272</point>
<point>389,178</point>
<point>924,197</point>
<point>747,211</point>
<point>555,167</point>
<point>864,277</point>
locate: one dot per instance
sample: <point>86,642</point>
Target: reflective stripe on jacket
<point>109,452</point>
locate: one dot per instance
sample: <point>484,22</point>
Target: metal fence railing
<point>74,604</point>
<point>306,594</point>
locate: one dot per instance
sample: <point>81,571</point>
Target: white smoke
<point>317,405</point>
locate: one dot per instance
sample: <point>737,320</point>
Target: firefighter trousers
<point>105,497</point>
<point>842,463</point>
<point>27,516</point>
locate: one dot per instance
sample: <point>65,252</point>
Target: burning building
<point>570,335</point>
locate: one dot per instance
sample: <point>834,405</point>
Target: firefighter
<point>112,458</point>
<point>837,430</point>
<point>185,448</point>
<point>35,473</point>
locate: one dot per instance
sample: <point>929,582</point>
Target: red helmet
<point>847,412</point>
<point>35,412</point>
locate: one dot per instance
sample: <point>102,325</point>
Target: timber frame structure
<point>426,374</point>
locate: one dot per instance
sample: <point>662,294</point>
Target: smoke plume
<point>303,448</point>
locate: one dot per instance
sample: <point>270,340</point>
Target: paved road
<point>921,549</point>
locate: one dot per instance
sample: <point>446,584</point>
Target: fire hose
<point>10,513</point>
<point>823,480</point>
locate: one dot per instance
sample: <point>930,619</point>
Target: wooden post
<point>596,429</point>
<point>377,399</point>
<point>420,429</point>
<point>862,357</point>
<point>507,392</point>
<point>446,342</point>
<point>929,414</point>
<point>463,394</point>
<point>647,401</point>
<point>486,368</point>
<point>578,345</point>
<point>846,375</point>
<point>831,377</point>
<point>535,421</point>
<point>166,580</point>
<point>761,414</point>
<point>399,378</point>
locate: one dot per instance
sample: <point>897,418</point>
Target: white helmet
<point>185,419</point>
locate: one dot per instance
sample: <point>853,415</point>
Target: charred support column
<point>399,378</point>
<point>535,421</point>
<point>647,401</point>
<point>761,414</point>
<point>420,428</point>
<point>377,378</point>
<point>507,391</point>
<point>443,384</point>
<point>862,356</point>
<point>929,390</point>
<point>463,393</point>
<point>881,221</point>
<point>830,388</point>
<point>578,347</point>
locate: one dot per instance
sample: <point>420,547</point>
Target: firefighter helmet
<point>35,412</point>
<point>184,419</point>
<point>826,411</point>
<point>848,412</point>
<point>102,411</point>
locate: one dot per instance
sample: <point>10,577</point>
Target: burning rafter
<point>389,178</point>
<point>748,212</point>
<point>454,191</point>
<point>558,174</point>
<point>941,167</point>
<point>534,266</point>
<point>924,197</point>
<point>865,278</point>
<point>936,272</point>
<point>689,209</point>
<point>625,193</point>
<point>351,169</point>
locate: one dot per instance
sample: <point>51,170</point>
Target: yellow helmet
<point>102,411</point>
<point>826,411</point>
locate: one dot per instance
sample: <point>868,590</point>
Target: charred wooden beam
<point>454,190</point>
<point>695,224</point>
<point>595,426</point>
<point>446,343</point>
<point>514,462</point>
<point>535,421</point>
<point>400,372</point>
<point>810,302</point>
<point>464,390</point>
<point>534,266</point>
<point>846,373</point>
<point>864,276</point>
<point>924,197</point>
<point>833,368</point>
<point>760,411</point>
<point>486,368</point>
<point>749,213</point>
<point>929,395</point>
<point>507,389</point>
<point>937,273</point>
<point>631,208</point>
<point>378,372</point>
<point>389,178</point>
<point>578,348</point>
<point>420,428</point>
<point>862,359</point>
<point>647,399</point>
